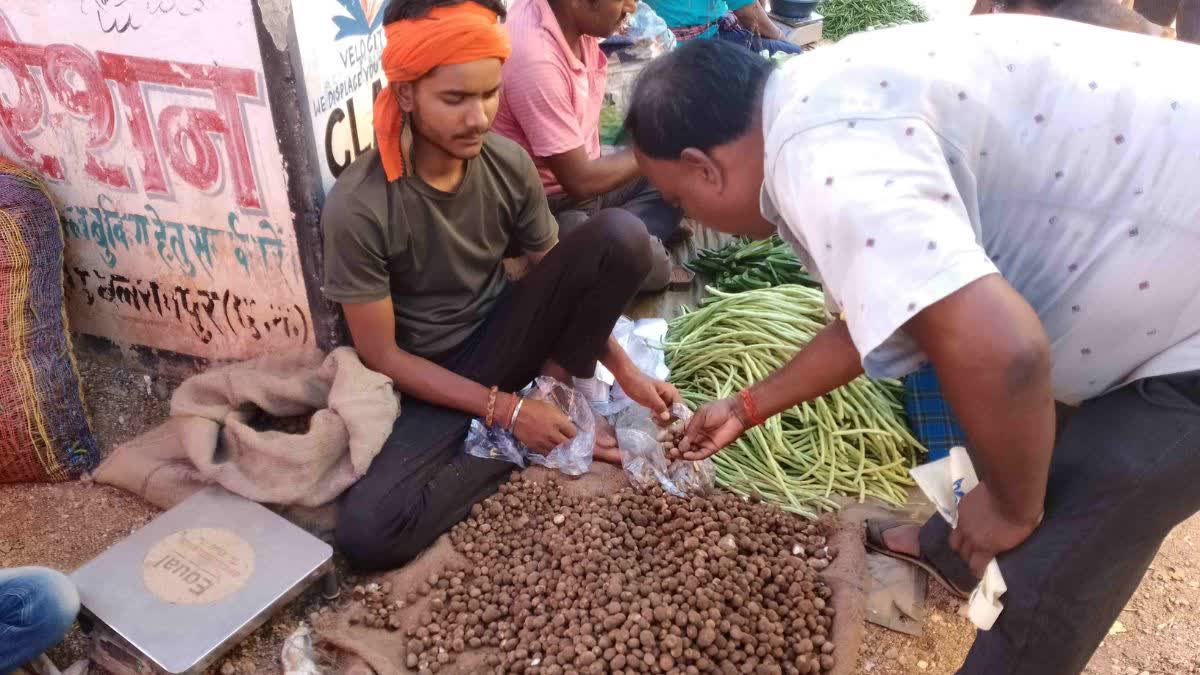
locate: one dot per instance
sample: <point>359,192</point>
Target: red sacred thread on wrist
<point>751,407</point>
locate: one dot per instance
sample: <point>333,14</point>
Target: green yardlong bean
<point>851,442</point>
<point>844,17</point>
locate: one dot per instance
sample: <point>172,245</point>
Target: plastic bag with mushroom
<point>494,444</point>
<point>573,457</point>
<point>647,449</point>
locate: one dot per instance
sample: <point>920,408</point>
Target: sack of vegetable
<point>44,433</point>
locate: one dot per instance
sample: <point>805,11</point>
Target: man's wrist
<point>1017,514</point>
<point>745,408</point>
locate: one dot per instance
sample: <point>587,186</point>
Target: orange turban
<point>446,36</point>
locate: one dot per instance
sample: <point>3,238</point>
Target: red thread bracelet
<point>751,407</point>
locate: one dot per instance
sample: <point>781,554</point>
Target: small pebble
<point>560,519</point>
<point>891,654</point>
<point>923,665</point>
<point>228,668</point>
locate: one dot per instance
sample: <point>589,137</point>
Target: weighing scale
<point>185,589</point>
<point>802,32</point>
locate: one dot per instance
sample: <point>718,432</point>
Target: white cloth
<point>642,341</point>
<point>945,482</point>
<point>904,164</point>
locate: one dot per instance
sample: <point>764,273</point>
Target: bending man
<point>415,234</point>
<point>1012,199</point>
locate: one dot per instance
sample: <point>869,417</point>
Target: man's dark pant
<point>1184,13</point>
<point>639,198</point>
<point>1125,471</point>
<point>757,43</point>
<point>564,309</point>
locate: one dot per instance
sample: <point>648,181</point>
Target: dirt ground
<point>1158,632</point>
<point>63,526</point>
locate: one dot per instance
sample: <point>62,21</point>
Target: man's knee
<point>570,221</point>
<point>626,237</point>
<point>53,600</point>
<point>374,541</point>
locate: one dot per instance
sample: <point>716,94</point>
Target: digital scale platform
<point>185,589</point>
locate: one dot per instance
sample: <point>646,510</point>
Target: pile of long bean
<point>852,441</point>
<point>744,265</point>
<point>844,17</point>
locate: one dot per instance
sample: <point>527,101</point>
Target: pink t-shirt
<point>550,101</point>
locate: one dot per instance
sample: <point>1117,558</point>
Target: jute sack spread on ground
<point>44,433</point>
<point>360,649</point>
<point>210,439</point>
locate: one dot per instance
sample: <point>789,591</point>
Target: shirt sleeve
<point>539,98</point>
<point>534,227</point>
<point>356,260</point>
<point>876,207</point>
<point>735,5</point>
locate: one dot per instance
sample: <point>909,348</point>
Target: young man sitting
<point>550,104</point>
<point>415,234</point>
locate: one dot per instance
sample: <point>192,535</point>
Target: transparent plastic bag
<point>645,463</point>
<point>693,478</point>
<point>651,36</point>
<point>494,444</point>
<point>573,458</point>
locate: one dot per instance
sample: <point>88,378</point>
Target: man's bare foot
<point>904,539</point>
<point>606,449</point>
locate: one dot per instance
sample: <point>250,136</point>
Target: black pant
<point>644,202</point>
<point>1185,14</point>
<point>1123,474</point>
<point>423,482</point>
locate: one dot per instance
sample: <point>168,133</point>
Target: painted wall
<point>152,121</point>
<point>339,43</point>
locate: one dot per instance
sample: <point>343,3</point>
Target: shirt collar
<point>549,23</point>
<point>769,113</point>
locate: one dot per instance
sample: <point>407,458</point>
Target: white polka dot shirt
<point>905,164</point>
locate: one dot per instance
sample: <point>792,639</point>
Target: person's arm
<point>540,425</point>
<point>539,96</point>
<point>754,18</point>
<point>829,361</point>
<point>534,227</point>
<point>584,178</point>
<point>992,359</point>
<point>373,329</point>
<point>644,390</point>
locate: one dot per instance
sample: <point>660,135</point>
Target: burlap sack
<point>385,651</point>
<point>207,440</point>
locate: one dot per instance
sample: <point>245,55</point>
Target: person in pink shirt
<point>553,90</point>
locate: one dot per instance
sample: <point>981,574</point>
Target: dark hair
<point>399,10</point>
<point>701,95</point>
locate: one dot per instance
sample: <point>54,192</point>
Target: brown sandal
<point>875,529</point>
<point>681,278</point>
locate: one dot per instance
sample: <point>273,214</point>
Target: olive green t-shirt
<point>437,254</point>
